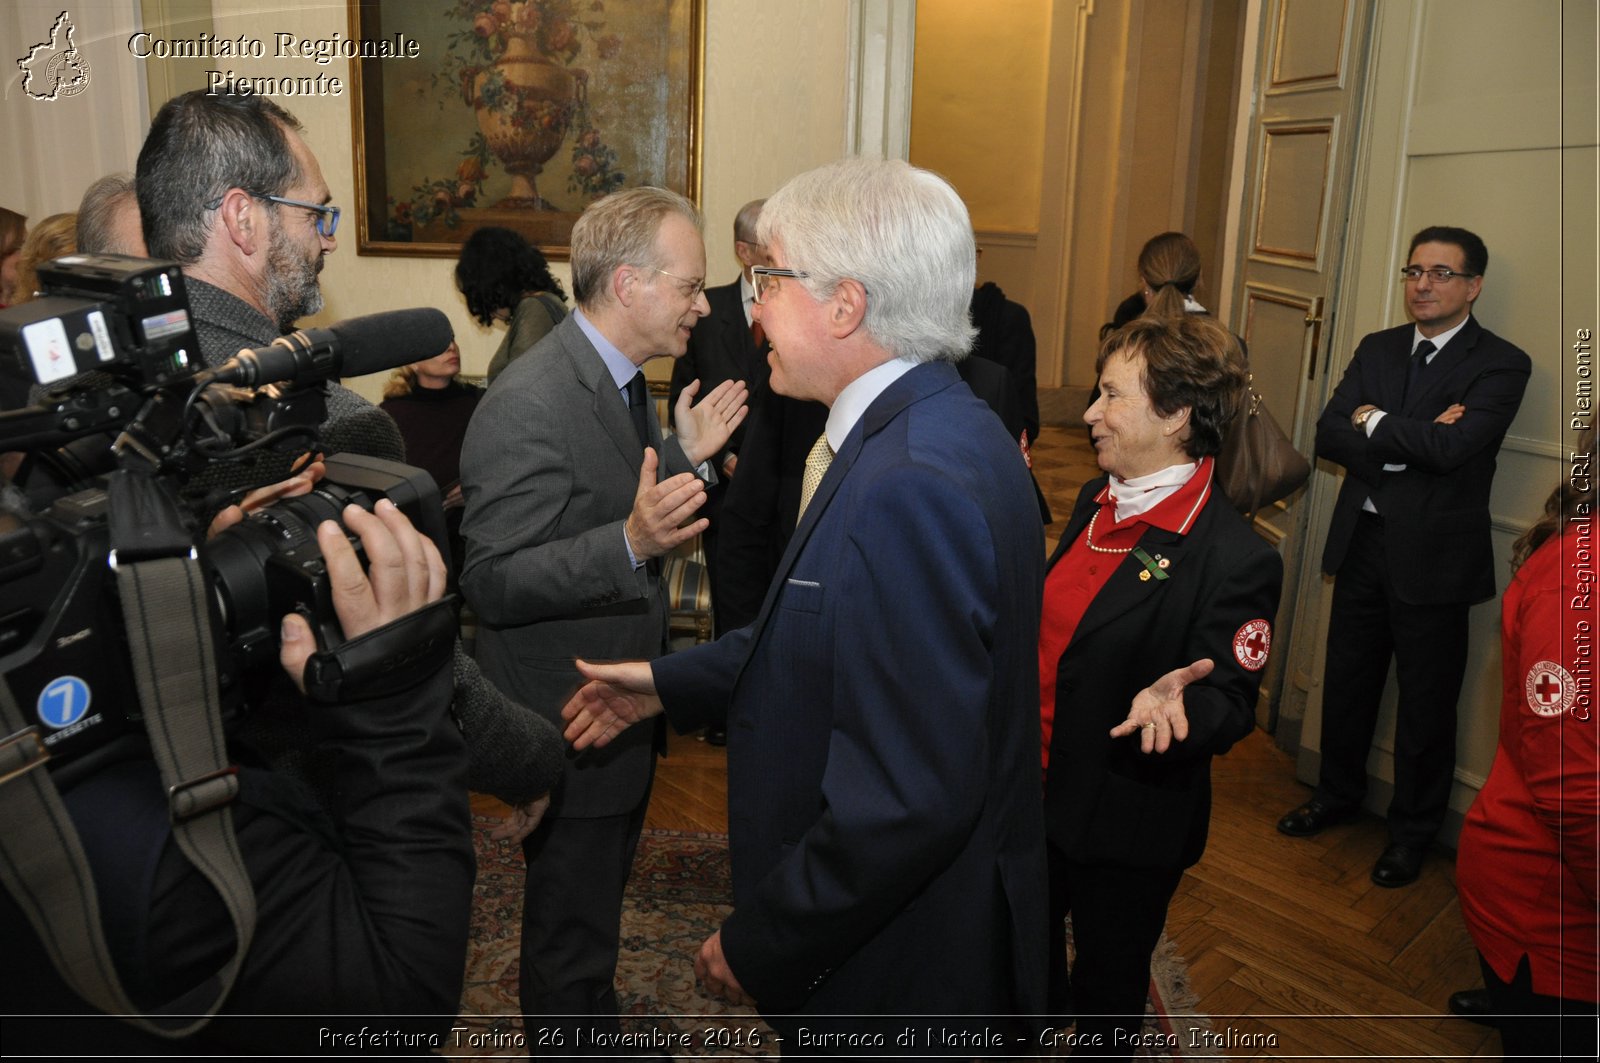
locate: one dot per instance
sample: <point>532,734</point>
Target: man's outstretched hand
<point>615,696</point>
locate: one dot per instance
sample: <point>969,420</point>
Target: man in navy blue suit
<point>1416,422</point>
<point>886,835</point>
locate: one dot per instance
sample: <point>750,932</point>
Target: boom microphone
<point>361,345</point>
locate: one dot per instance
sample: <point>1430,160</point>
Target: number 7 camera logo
<point>55,69</point>
<point>64,702</point>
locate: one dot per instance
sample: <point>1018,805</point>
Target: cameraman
<point>229,189</point>
<point>362,908</point>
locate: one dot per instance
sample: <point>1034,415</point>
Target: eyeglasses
<point>695,287</point>
<point>1439,275</point>
<point>327,215</point>
<point>762,279</point>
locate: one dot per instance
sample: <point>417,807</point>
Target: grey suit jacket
<point>549,470</point>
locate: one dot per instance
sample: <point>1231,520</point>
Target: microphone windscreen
<point>376,343</point>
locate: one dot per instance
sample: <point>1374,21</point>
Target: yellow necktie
<point>817,463</point>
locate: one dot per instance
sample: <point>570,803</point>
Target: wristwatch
<point>1361,418</point>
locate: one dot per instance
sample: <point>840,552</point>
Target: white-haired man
<point>885,822</point>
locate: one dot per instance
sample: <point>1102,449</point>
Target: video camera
<point>128,416</point>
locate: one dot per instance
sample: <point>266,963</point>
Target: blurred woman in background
<point>57,235</point>
<point>1169,263</point>
<point>13,230</point>
<point>505,278</point>
<point>432,408</point>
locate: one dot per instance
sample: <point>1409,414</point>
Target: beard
<point>292,288</point>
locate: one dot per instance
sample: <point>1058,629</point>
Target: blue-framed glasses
<point>327,214</point>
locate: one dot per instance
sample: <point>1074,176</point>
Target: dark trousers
<point>1534,1026</point>
<point>1369,625</point>
<point>1117,915</point>
<point>571,922</point>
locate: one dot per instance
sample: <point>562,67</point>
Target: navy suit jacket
<point>1435,511</point>
<point>883,743</point>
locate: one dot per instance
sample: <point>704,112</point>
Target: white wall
<point>51,150</point>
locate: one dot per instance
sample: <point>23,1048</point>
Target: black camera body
<point>270,563</point>
<point>102,312</point>
<point>63,649</point>
<point>151,412</point>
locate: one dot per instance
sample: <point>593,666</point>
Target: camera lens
<point>270,564</point>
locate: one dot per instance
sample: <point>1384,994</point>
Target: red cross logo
<point>1550,689</point>
<point>1251,644</point>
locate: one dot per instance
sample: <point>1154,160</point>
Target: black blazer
<point>1005,337</point>
<point>1106,802</point>
<point>1435,511</point>
<point>720,348</point>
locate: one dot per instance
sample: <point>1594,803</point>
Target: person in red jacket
<point>1526,866</point>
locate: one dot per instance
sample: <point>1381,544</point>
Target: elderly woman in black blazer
<point>1158,614</point>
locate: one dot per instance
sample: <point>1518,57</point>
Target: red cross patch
<point>1550,689</point>
<point>1251,643</point>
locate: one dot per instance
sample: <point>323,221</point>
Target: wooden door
<point>1301,148</point>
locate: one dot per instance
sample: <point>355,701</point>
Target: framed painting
<point>518,113</point>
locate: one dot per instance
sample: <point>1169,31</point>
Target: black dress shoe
<point>1313,817</point>
<point>716,736</point>
<point>1398,866</point>
<point>1473,1005</point>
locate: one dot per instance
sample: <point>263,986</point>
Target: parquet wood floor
<point>1285,938</point>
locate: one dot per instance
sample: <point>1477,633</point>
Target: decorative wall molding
<point>1011,239</point>
<point>1540,448</point>
<point>882,49</point>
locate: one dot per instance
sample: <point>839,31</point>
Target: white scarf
<point>1141,494</point>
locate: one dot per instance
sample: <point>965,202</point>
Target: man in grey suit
<point>572,497</point>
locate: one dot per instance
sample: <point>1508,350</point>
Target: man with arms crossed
<point>1416,422</point>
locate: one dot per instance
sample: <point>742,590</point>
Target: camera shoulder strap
<point>42,863</point>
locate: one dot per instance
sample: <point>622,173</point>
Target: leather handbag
<point>1258,464</point>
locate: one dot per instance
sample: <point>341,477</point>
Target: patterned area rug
<point>678,894</point>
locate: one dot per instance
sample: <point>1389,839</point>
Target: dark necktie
<point>758,335</point>
<point>638,395</point>
<point>1419,362</point>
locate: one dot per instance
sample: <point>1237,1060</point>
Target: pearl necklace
<point>1088,539</point>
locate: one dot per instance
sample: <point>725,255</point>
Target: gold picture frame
<point>518,113</point>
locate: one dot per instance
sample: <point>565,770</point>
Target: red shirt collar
<point>1179,510</point>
